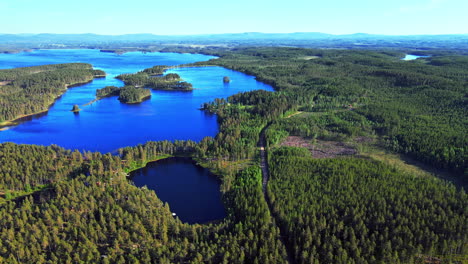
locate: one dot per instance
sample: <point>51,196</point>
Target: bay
<point>107,124</point>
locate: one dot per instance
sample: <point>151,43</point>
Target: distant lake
<point>191,191</point>
<point>107,125</point>
<point>413,57</point>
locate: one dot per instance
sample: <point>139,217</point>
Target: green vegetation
<point>153,78</point>
<point>361,211</point>
<point>337,210</point>
<point>339,98</point>
<point>131,95</point>
<point>107,92</point>
<point>102,218</point>
<point>30,90</point>
<point>128,94</point>
<point>418,107</point>
<point>11,195</point>
<point>156,70</point>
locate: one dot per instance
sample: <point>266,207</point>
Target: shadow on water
<point>23,120</point>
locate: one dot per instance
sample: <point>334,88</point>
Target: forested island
<point>333,187</point>
<point>153,78</point>
<point>30,90</point>
<point>128,94</point>
<point>131,95</point>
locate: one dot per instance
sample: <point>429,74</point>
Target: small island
<point>76,109</point>
<point>153,78</point>
<point>120,51</point>
<point>133,95</point>
<point>128,94</point>
<point>226,79</point>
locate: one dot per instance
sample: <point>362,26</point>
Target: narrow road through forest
<point>265,178</point>
<point>264,167</point>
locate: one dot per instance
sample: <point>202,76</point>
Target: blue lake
<point>192,191</point>
<point>413,57</point>
<point>107,125</point>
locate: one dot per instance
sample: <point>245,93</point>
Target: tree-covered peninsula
<point>107,91</point>
<point>29,90</point>
<point>153,78</point>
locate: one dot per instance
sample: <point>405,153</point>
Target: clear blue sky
<point>178,17</point>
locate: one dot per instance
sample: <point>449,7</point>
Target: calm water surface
<point>107,125</point>
<point>191,191</point>
<point>413,57</point>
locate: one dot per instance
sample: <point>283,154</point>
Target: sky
<point>186,17</point>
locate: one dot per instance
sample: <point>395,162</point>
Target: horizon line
<point>239,33</point>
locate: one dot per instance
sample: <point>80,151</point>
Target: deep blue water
<point>191,191</point>
<point>107,125</point>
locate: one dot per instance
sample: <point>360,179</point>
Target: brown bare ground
<point>321,149</point>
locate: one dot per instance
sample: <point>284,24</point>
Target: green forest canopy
<point>340,210</point>
<point>31,90</point>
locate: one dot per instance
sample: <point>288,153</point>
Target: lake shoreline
<point>14,122</point>
<point>169,114</point>
<point>170,190</point>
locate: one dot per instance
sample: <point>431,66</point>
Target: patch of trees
<point>130,94</point>
<point>30,165</point>
<point>107,91</point>
<point>418,107</point>
<point>156,70</point>
<point>33,89</point>
<point>13,74</point>
<point>153,78</point>
<point>354,210</point>
<point>91,213</point>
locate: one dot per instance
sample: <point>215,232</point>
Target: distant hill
<point>298,39</point>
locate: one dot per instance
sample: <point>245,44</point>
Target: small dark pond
<point>191,191</point>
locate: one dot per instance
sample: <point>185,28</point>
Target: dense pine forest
<point>29,90</point>
<point>153,78</point>
<point>91,213</point>
<point>418,107</point>
<point>128,94</point>
<point>352,210</point>
<point>347,206</point>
